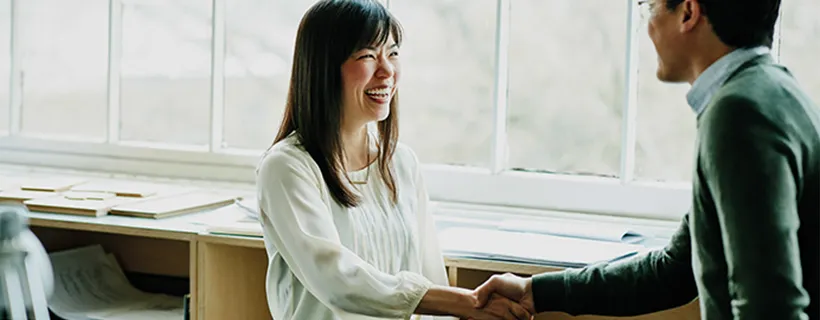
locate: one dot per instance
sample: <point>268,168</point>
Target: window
<point>446,88</point>
<point>259,41</point>
<point>548,104</point>
<point>800,43</point>
<point>64,62</point>
<point>566,88</point>
<point>165,71</point>
<point>5,64</point>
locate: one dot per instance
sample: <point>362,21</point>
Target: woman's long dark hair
<point>331,31</point>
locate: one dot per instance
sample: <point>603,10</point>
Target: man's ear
<point>690,15</point>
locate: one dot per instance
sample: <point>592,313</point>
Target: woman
<point>344,210</point>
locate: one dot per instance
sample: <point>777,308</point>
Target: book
<point>19,196</point>
<point>174,204</point>
<point>48,183</point>
<point>87,206</point>
<point>123,188</point>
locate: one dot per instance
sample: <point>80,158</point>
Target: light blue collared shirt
<point>716,74</point>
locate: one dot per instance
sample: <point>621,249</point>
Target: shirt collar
<point>716,74</point>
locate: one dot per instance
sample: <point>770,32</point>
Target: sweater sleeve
<point>659,280</point>
<point>752,170</point>
<point>305,236</point>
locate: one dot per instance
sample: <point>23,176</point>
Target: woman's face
<point>369,80</point>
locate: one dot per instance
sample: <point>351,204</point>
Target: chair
<point>26,276</point>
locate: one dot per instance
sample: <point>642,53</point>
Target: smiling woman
<point>345,216</point>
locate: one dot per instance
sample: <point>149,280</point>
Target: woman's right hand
<point>499,307</point>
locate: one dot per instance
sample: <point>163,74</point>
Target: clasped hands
<point>504,297</point>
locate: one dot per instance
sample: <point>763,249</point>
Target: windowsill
<point>448,214</point>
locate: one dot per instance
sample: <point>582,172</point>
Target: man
<point>749,248</point>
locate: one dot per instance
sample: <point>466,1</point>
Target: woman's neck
<point>355,148</point>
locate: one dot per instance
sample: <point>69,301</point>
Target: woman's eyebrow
<point>395,45</point>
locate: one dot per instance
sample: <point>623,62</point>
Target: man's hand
<point>508,285</point>
<point>500,308</point>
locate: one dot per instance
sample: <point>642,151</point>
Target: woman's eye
<point>394,54</point>
<point>367,56</point>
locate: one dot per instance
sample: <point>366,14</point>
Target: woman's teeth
<point>379,92</point>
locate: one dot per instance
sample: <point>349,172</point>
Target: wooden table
<point>227,274</point>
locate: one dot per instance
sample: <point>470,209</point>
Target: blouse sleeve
<point>305,235</point>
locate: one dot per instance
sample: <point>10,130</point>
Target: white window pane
<point>666,124</point>
<point>566,85</point>
<point>259,52</point>
<point>5,62</point>
<point>165,71</point>
<point>800,43</point>
<point>446,85</point>
<point>65,66</point>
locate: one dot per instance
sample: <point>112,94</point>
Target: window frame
<point>496,185</point>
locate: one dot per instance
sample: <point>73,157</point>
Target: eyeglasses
<point>646,8</point>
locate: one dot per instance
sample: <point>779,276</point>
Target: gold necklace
<point>367,174</point>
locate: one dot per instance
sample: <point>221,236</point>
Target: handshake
<point>504,297</point>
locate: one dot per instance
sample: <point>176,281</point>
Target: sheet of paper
<point>218,216</point>
<point>530,247</point>
<point>595,231</point>
<point>250,207</point>
<point>90,285</point>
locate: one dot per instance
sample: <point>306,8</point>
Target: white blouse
<point>328,262</point>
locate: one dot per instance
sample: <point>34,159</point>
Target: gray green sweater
<point>750,246</point>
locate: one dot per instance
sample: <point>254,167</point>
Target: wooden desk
<point>227,274</point>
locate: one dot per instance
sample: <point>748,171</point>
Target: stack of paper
<point>231,220</point>
<point>90,285</point>
<point>530,247</point>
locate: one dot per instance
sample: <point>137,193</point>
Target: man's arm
<point>659,280</point>
<point>753,171</point>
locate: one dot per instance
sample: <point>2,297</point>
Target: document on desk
<point>531,247</point>
<point>584,230</point>
<point>232,220</point>
<point>90,285</point>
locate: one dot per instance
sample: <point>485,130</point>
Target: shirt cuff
<point>418,287</point>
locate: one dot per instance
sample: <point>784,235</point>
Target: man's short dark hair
<point>739,23</point>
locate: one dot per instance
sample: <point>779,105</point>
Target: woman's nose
<point>386,69</point>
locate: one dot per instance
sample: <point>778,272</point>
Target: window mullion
<point>114,70</point>
<point>777,37</point>
<point>630,113</point>
<point>217,75</point>
<point>502,49</point>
